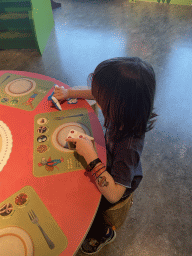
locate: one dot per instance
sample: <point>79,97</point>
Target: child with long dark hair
<point>124,89</point>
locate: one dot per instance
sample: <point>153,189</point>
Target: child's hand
<point>84,147</point>
<point>61,93</point>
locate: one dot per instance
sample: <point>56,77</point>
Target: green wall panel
<point>18,17</point>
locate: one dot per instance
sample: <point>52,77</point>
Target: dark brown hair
<point>125,90</point>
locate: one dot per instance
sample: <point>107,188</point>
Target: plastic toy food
<point>75,134</point>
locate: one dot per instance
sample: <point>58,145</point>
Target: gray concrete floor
<point>87,32</point>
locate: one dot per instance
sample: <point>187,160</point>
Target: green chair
<point>25,24</point>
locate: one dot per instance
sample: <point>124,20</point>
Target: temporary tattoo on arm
<point>102,181</point>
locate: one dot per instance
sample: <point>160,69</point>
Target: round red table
<point>71,198</point>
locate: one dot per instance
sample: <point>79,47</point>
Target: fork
<point>34,219</point>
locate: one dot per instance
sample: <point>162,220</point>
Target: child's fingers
<point>75,140</point>
<point>58,95</point>
<point>61,93</point>
<point>57,90</point>
<point>72,139</point>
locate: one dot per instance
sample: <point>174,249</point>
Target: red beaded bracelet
<point>92,165</point>
<point>97,173</point>
<point>96,168</point>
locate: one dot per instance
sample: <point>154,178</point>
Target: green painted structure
<point>25,24</point>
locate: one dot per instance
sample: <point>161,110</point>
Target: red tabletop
<point>71,198</point>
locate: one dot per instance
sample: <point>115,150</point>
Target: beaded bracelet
<point>92,165</point>
<point>97,173</point>
<point>96,168</point>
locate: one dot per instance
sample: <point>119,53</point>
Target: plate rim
<point>29,248</point>
<point>23,94</point>
<point>54,135</point>
<point>7,144</point>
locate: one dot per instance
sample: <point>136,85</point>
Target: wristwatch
<point>92,164</point>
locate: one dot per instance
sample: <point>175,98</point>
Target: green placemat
<point>51,154</point>
<point>19,218</point>
<point>22,92</point>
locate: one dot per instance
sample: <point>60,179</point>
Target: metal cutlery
<point>34,219</point>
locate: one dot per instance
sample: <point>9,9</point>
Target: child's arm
<point>109,189</point>
<point>63,94</point>
<point>83,94</point>
<point>106,184</point>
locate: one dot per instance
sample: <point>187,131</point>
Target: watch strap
<point>91,165</point>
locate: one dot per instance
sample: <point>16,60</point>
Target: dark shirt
<point>123,162</point>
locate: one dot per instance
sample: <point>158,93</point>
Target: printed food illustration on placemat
<point>6,143</point>
<point>51,153</point>
<point>22,92</point>
<point>27,225</point>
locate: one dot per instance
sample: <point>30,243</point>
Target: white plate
<point>6,143</point>
<point>60,134</point>
<point>15,241</point>
<point>20,87</point>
